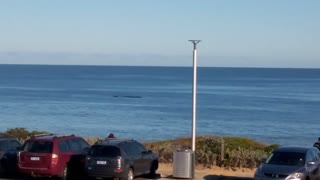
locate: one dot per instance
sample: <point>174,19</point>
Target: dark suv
<point>52,155</point>
<point>118,158</point>
<point>8,155</point>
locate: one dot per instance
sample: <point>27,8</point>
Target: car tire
<point>153,168</point>
<point>129,176</point>
<point>65,173</point>
<point>3,169</point>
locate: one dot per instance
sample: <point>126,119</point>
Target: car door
<point>13,147</point>
<point>144,157</point>
<point>134,157</point>
<point>314,167</point>
<point>77,158</point>
<point>3,154</point>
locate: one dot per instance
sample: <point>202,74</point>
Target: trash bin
<point>183,163</point>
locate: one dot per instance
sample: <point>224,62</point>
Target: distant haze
<point>244,33</point>
<point>153,60</point>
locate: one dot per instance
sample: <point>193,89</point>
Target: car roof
<point>293,149</point>
<point>50,137</point>
<point>6,137</point>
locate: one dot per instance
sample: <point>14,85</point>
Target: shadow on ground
<point>216,177</point>
<point>17,177</point>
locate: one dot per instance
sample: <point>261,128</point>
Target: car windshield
<point>104,151</point>
<point>287,158</point>
<point>38,146</point>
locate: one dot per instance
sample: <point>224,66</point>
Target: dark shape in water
<point>128,96</point>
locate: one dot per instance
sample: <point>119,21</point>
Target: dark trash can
<point>183,164</point>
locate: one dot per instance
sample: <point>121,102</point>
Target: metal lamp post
<point>194,93</point>
<point>184,161</point>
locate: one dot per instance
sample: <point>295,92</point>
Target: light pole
<point>194,93</point>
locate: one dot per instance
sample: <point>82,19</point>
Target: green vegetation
<point>229,152</point>
<point>21,133</point>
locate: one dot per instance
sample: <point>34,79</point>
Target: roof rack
<point>111,139</point>
<point>40,135</point>
<point>51,134</point>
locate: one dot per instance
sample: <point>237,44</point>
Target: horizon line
<point>169,66</point>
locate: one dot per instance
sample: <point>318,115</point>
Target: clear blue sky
<point>246,33</point>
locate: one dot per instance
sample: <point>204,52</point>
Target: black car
<point>9,148</point>
<point>285,163</point>
<point>118,158</point>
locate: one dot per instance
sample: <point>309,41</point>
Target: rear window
<point>38,146</point>
<point>104,151</point>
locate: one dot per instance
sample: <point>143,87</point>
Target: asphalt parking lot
<point>197,177</point>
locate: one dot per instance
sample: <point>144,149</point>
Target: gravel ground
<point>165,171</point>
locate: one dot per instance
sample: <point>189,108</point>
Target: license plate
<point>102,162</point>
<point>34,158</point>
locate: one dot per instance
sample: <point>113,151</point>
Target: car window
<point>38,146</point>
<point>309,156</point>
<point>83,143</point>
<point>14,145</point>
<point>135,148</point>
<point>287,158</point>
<point>64,146</point>
<point>3,145</point>
<point>104,151</point>
<point>139,148</point>
<point>127,149</point>
<point>315,154</point>
<point>75,146</point>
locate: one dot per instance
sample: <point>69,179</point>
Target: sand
<point>166,172</point>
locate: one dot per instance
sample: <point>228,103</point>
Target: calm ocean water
<point>154,103</point>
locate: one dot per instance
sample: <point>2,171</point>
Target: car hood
<point>280,169</point>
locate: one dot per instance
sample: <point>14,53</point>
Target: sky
<point>246,33</point>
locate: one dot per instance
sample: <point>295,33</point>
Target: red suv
<point>52,155</point>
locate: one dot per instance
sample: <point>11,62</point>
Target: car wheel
<point>129,175</point>
<point>2,167</point>
<point>153,169</point>
<point>65,173</point>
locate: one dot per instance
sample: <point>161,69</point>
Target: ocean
<point>270,105</point>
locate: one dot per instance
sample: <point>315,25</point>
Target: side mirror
<point>147,152</point>
<point>263,160</point>
<point>18,148</point>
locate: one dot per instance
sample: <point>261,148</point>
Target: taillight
<point>54,159</point>
<point>118,170</point>
<point>118,161</point>
<point>118,164</point>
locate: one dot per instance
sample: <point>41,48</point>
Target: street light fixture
<point>194,93</point>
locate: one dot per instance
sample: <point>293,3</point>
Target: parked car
<point>118,158</point>
<point>8,155</point>
<point>53,155</point>
<point>296,163</point>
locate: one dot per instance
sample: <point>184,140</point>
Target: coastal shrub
<point>91,140</point>
<point>229,152</point>
<point>208,151</point>
<point>21,133</point>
